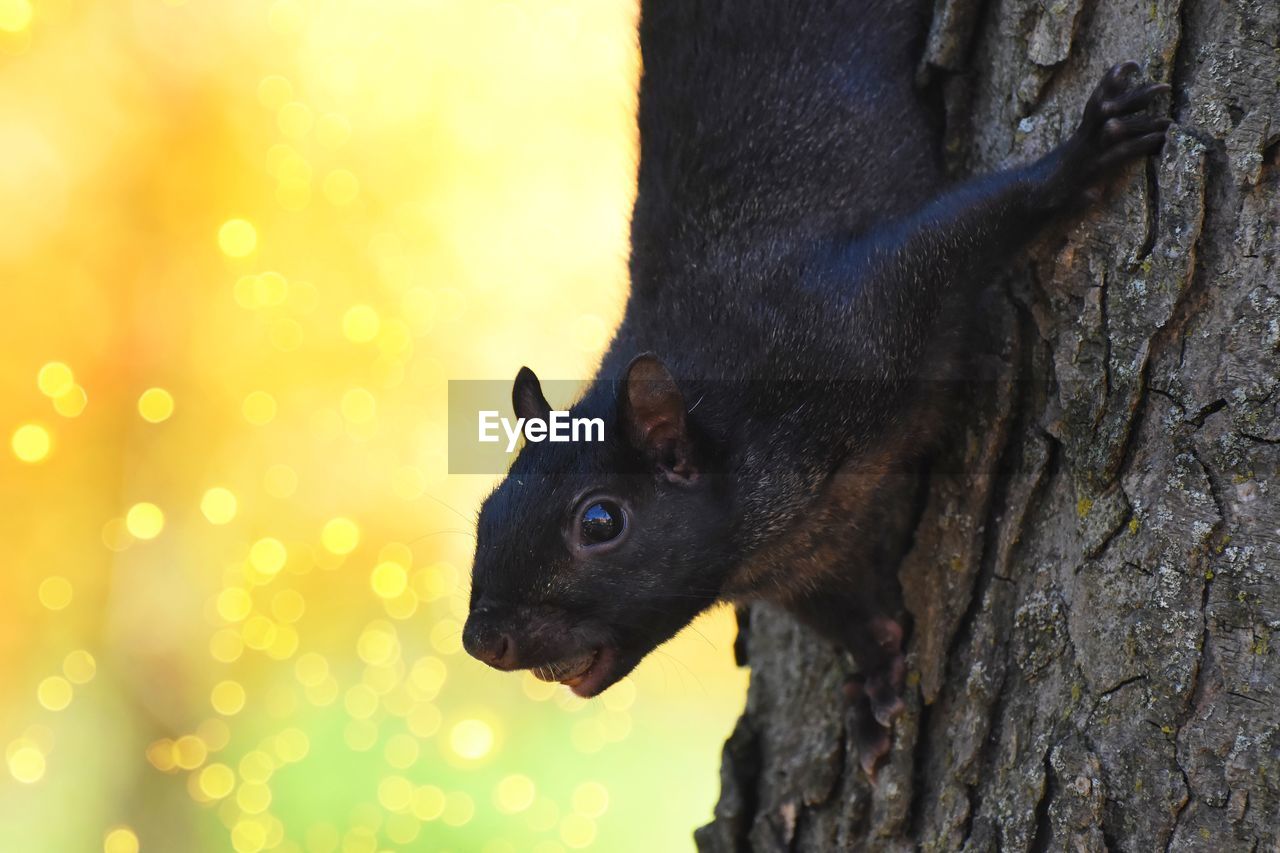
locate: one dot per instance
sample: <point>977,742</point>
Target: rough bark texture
<point>1092,661</point>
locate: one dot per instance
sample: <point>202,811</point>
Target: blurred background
<point>245,245</point>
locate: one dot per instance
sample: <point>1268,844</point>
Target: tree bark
<point>1093,596</point>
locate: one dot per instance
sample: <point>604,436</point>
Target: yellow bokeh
<point>237,238</point>
<point>55,592</point>
<point>577,831</point>
<point>256,766</point>
<point>471,739</point>
<point>395,793</point>
<point>621,696</point>
<point>428,802</point>
<point>265,290</point>
<point>292,745</point>
<point>31,443</point>
<point>160,754</point>
<point>340,535</point>
<point>311,669</point>
<point>288,605</point>
<point>515,793</point>
<point>359,406</point>
<point>215,733</point>
<point>226,645</point>
<point>189,752</point>
<point>361,323</point>
<point>216,781</point>
<point>55,379</point>
<point>402,751</point>
<point>234,603</point>
<point>26,764</point>
<point>259,408</point>
<point>248,836</point>
<point>459,808</point>
<point>227,698</point>
<point>218,505</point>
<point>144,520</point>
<point>120,840</point>
<point>427,677</point>
<point>55,693</point>
<point>79,667</point>
<point>248,247</point>
<point>389,580</point>
<point>155,405</point>
<point>71,403</point>
<point>361,702</point>
<point>446,636</point>
<point>15,15</point>
<point>259,632</point>
<point>268,555</point>
<point>590,799</point>
<point>378,644</point>
<point>116,535</point>
<point>253,797</point>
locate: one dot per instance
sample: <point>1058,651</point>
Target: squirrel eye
<point>601,522</point>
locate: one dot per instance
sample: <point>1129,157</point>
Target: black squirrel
<point>798,274</point>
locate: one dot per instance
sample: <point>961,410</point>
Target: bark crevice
<point>1091,664</point>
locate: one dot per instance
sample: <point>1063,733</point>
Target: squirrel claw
<point>1116,126</point>
<point>1119,74</point>
<point>886,713</point>
<point>870,736</point>
<point>875,701</point>
<point>1136,100</point>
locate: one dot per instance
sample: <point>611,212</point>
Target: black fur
<point>799,270</point>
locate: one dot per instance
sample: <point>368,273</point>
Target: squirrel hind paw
<point>869,720</point>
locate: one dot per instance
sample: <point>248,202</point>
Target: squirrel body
<point>801,278</point>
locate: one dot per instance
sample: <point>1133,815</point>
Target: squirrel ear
<point>526,396</point>
<point>653,416</point>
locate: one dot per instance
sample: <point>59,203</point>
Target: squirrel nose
<point>486,643</point>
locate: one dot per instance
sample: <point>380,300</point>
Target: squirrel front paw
<point>1116,127</point>
<point>1114,130</point>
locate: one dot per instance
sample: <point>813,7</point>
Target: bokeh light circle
<point>219,505</point>
<point>122,839</point>
<point>155,405</point>
<point>471,739</point>
<point>144,520</point>
<point>31,443</point>
<point>55,592</point>
<point>237,238</point>
<point>340,535</point>
<point>55,379</point>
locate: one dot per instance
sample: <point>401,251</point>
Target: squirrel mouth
<point>567,670</point>
<point>586,674</point>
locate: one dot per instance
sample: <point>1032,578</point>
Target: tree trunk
<point>1093,597</point>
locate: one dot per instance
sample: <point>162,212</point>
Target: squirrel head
<point>590,554</point>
